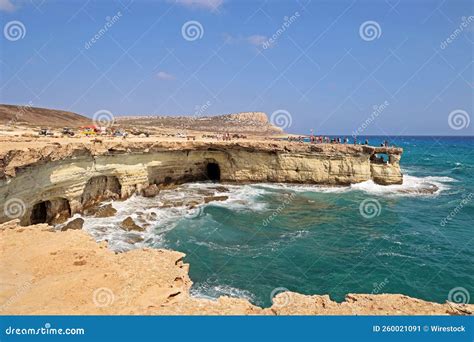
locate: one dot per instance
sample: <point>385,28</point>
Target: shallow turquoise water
<point>319,243</point>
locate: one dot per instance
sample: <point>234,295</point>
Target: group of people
<point>327,140</point>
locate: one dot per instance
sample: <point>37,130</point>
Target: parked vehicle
<point>45,132</point>
<point>68,131</point>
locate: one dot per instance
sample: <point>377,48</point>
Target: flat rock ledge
<point>69,273</point>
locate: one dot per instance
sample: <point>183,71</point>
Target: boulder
<point>77,223</point>
<point>105,211</point>
<point>150,191</point>
<point>215,198</point>
<point>128,224</point>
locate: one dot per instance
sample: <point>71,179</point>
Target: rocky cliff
<point>56,181</point>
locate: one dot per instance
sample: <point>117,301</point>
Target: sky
<point>373,67</point>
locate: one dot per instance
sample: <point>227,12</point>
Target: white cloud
<point>162,75</point>
<point>256,39</point>
<point>212,5</point>
<point>7,6</point>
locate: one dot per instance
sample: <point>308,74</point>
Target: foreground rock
<point>151,191</point>
<point>88,278</point>
<point>106,211</point>
<point>130,225</point>
<point>215,198</point>
<point>75,224</point>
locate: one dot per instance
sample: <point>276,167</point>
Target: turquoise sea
<point>415,239</point>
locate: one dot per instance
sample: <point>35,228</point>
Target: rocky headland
<point>57,180</point>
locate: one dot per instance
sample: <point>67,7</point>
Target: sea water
<point>365,238</point>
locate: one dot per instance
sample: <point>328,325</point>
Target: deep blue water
<point>318,241</point>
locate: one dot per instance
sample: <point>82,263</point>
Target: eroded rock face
<point>83,175</point>
<point>99,188</point>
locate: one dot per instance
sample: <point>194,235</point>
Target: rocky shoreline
<point>54,181</point>
<point>64,271</point>
<point>69,273</point>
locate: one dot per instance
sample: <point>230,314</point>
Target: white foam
<point>411,186</point>
<point>214,291</point>
<point>157,219</point>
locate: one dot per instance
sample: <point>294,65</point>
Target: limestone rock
<point>151,282</point>
<point>10,224</point>
<point>215,198</point>
<point>128,224</point>
<point>77,223</point>
<point>106,211</point>
<point>151,191</point>
<point>79,175</point>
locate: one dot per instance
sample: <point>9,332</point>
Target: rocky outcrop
<point>77,223</point>
<point>130,225</point>
<point>150,191</point>
<point>87,278</point>
<point>215,198</point>
<point>53,182</point>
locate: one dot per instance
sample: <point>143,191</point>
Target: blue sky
<point>322,67</point>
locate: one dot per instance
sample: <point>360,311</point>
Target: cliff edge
<point>68,273</point>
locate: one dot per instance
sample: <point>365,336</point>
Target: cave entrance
<point>39,214</point>
<point>54,211</point>
<point>213,172</point>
